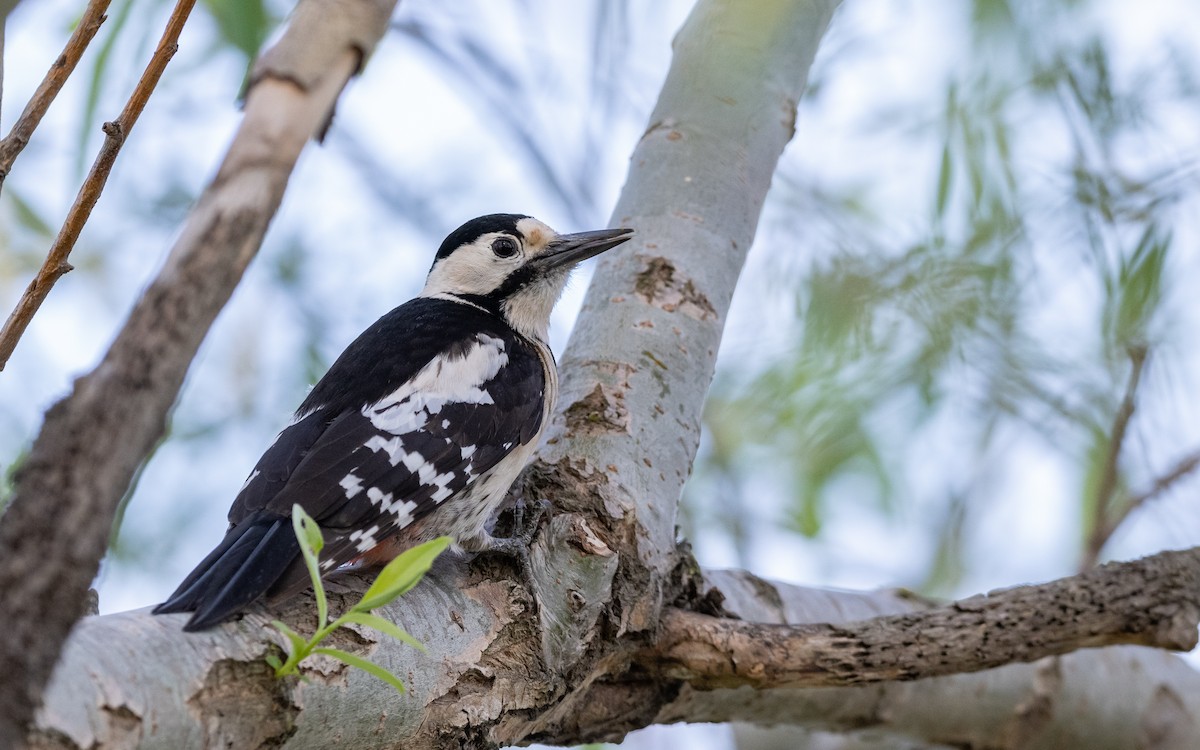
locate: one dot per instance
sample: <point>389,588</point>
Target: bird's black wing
<point>365,461</point>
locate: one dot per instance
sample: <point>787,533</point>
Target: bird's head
<point>514,266</point>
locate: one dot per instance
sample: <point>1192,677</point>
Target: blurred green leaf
<point>948,565</point>
<point>242,24</point>
<point>28,217</point>
<point>1135,296</point>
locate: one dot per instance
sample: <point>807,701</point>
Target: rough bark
<point>1154,602</point>
<point>55,529</point>
<point>134,680</point>
<point>1113,698</point>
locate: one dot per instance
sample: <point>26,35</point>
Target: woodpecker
<point>417,430</point>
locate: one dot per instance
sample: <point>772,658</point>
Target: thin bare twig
<point>1185,466</point>
<point>60,70</point>
<point>115,133</point>
<point>1104,526</point>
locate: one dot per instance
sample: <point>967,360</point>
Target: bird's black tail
<point>251,558</point>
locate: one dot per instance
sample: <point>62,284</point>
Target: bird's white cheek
<point>456,275</point>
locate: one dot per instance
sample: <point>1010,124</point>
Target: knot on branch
<point>114,130</point>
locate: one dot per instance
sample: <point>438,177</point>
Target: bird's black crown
<point>476,228</point>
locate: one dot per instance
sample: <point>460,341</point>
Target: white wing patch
<point>352,485</point>
<point>393,447</point>
<point>411,406</point>
<point>426,472</point>
<point>366,539</point>
<point>402,509</point>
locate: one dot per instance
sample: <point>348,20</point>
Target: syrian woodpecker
<point>417,430</point>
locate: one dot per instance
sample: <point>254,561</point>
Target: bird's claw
<point>525,524</point>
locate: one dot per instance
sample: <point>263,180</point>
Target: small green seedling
<point>396,579</point>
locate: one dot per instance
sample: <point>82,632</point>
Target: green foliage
<point>28,217</point>
<point>1134,294</point>
<point>960,319</point>
<point>393,581</point>
<point>242,24</point>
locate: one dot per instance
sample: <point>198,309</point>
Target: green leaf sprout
<point>396,579</point>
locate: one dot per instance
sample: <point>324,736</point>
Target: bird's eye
<point>504,247</point>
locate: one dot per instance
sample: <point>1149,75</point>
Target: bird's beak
<point>568,249</point>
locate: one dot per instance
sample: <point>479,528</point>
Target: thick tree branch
<point>55,529</point>
<point>133,680</point>
<point>1101,699</point>
<point>508,664</point>
<point>115,133</point>
<point>1154,601</point>
<point>64,64</point>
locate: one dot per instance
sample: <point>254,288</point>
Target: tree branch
<point>1154,602</point>
<point>1180,470</point>
<point>56,526</point>
<point>1102,699</point>
<point>136,675</point>
<point>18,137</point>
<point>1102,526</point>
<point>115,133</point>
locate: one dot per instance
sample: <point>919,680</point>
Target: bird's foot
<point>525,524</point>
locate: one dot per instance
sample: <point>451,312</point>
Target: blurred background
<point>961,355</point>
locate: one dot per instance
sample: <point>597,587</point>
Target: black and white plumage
<point>419,427</point>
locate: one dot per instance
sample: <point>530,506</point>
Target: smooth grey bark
<point>640,360</point>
